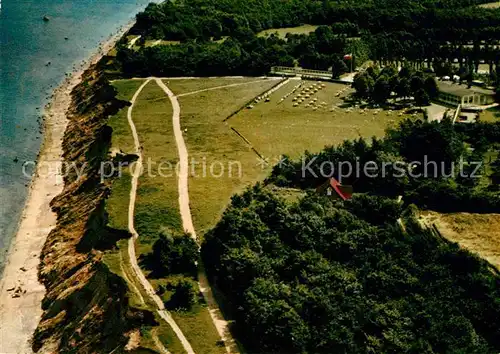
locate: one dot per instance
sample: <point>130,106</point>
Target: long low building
<point>455,94</point>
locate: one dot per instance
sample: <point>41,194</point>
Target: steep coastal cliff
<point>86,308</point>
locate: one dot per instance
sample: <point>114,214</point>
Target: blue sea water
<point>27,44</point>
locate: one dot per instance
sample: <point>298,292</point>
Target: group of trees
<point>379,85</point>
<point>425,162</point>
<point>388,31</point>
<point>319,276</point>
<point>175,255</point>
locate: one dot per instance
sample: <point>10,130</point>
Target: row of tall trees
<point>385,30</point>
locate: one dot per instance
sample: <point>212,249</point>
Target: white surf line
<point>221,87</point>
<point>136,172</point>
<point>220,323</point>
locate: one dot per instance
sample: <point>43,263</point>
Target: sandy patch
<point>479,233</point>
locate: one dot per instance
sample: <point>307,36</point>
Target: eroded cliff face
<point>86,308</point>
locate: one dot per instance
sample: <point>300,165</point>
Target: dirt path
<point>136,170</point>
<point>220,323</point>
<point>220,87</point>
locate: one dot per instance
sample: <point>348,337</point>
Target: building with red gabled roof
<point>334,189</point>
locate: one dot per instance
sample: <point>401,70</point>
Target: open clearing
<point>491,115</point>
<point>282,32</point>
<point>155,42</point>
<point>272,129</point>
<point>479,233</point>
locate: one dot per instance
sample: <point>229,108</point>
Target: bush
<point>174,254</point>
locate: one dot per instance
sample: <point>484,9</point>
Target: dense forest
<point>220,38</point>
<point>319,276</point>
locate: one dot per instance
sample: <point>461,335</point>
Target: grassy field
<point>275,128</point>
<point>122,136</point>
<point>272,128</point>
<point>184,86</point>
<point>197,326</point>
<point>156,203</point>
<point>491,115</point>
<point>118,262</point>
<point>221,162</point>
<point>479,233</point>
<point>157,210</point>
<point>282,32</point>
<point>116,206</point>
<point>212,144</point>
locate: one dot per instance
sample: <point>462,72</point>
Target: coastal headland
<point>21,293</point>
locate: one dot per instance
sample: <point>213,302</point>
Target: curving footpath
<point>220,323</point>
<point>136,170</point>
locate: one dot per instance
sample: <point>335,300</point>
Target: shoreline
<point>21,294</point>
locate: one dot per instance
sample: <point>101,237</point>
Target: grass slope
<point>282,32</point>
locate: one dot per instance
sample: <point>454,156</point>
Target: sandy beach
<point>20,292</point>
